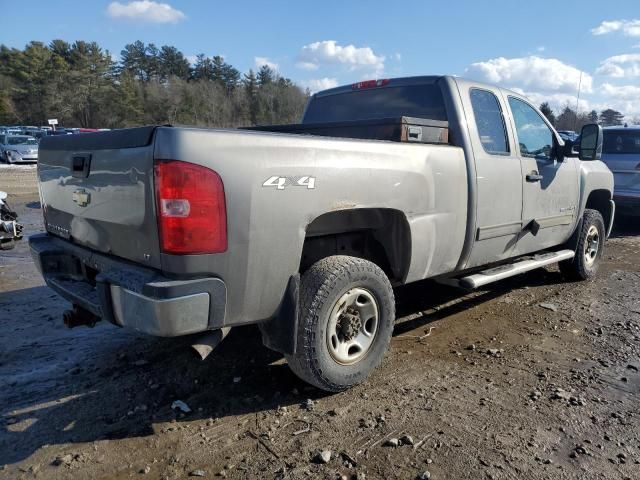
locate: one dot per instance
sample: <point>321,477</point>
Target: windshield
<point>22,141</point>
<point>422,101</point>
<point>621,141</point>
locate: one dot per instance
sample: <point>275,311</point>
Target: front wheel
<point>347,313</point>
<point>591,239</point>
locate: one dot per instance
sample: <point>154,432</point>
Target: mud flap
<point>280,332</point>
<point>572,243</point>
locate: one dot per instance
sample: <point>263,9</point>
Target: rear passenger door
<point>498,175</point>
<point>550,188</point>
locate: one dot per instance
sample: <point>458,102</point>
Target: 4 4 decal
<point>282,182</point>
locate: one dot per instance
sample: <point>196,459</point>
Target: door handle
<point>534,177</point>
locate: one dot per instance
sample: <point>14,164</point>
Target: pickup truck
<point>305,229</point>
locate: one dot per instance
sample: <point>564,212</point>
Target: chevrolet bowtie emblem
<point>81,197</point>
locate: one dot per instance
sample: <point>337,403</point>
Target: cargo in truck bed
<point>396,129</point>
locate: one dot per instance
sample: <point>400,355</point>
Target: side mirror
<point>559,148</point>
<point>591,140</point>
<point>569,149</point>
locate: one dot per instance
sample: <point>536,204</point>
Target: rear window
<point>621,141</point>
<point>422,101</point>
<point>489,121</point>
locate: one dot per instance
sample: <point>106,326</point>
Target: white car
<point>19,148</point>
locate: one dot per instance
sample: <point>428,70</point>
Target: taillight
<point>191,211</point>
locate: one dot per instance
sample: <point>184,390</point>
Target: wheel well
<point>600,200</point>
<point>379,235</point>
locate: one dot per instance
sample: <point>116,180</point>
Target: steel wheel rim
<point>591,245</point>
<point>353,325</point>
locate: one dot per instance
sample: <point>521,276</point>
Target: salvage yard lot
<point>534,377</point>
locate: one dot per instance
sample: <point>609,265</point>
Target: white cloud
<point>329,52</point>
<point>624,98</point>
<point>531,73</point>
<point>145,11</point>
<point>622,91</point>
<point>636,46</point>
<point>260,61</point>
<point>620,66</point>
<point>629,28</point>
<point>557,101</point>
<point>541,48</point>
<point>308,66</point>
<point>317,84</point>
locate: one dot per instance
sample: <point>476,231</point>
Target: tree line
<point>82,86</point>
<point>569,119</point>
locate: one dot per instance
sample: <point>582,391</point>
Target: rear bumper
<point>126,294</point>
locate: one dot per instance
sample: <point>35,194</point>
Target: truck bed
<point>396,129</point>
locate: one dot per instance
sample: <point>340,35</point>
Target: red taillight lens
<point>370,84</point>
<point>192,216</point>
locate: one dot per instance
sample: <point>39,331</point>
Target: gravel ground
<point>534,378</point>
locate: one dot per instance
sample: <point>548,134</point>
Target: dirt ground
<point>532,378</point>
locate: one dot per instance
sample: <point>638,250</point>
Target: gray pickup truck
<point>305,229</point>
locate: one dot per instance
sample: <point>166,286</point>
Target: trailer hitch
<point>78,316</point>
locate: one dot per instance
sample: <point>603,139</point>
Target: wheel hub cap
<point>591,245</point>
<point>353,325</point>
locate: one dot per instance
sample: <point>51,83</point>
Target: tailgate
<point>97,190</point>
<point>626,172</point>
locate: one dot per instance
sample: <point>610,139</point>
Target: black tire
<point>322,286</point>
<point>584,265</point>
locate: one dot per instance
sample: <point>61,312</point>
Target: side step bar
<point>505,271</point>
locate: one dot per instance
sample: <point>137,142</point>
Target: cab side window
<point>489,122</point>
<point>534,136</point>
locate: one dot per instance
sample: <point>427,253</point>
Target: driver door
<point>550,187</point>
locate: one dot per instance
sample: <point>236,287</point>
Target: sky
<point>543,48</point>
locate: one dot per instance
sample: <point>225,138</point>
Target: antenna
<point>575,123</point>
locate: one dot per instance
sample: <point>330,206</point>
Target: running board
<point>505,271</point>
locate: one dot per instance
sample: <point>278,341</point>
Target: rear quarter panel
<point>266,226</point>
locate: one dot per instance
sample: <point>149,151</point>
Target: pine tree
<point>548,112</point>
<point>203,69</point>
<point>172,63</point>
<point>610,117</point>
<point>250,83</point>
<point>266,75</point>
<point>133,59</point>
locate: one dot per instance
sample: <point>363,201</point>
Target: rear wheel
<point>347,312</point>
<point>589,250</point>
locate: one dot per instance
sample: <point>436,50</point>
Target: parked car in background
<point>621,153</point>
<point>34,132</point>
<point>19,148</point>
<point>568,135</point>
